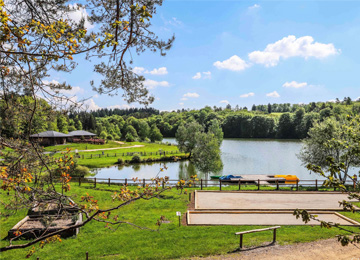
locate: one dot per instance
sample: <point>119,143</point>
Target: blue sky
<point>248,52</point>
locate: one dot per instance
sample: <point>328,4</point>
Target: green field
<point>169,242</point>
<point>94,159</point>
<point>82,146</point>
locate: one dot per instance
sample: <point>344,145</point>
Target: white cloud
<point>90,105</point>
<point>332,100</point>
<point>197,75</point>
<point>207,74</point>
<point>273,94</point>
<point>78,13</point>
<point>247,95</point>
<point>191,95</point>
<point>224,102</point>
<point>184,98</point>
<point>234,63</point>
<point>124,106</point>
<point>294,84</point>
<point>72,91</point>
<point>159,71</point>
<point>181,104</point>
<point>255,6</point>
<point>291,47</point>
<point>151,84</point>
<point>138,70</point>
<point>175,22</point>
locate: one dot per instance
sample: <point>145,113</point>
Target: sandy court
<point>329,249</point>
<point>261,218</point>
<point>216,200</point>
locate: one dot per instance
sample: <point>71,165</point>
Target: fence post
<point>354,182</point>
<point>258,184</point>
<point>144,183</point>
<point>316,185</point>
<point>87,256</point>
<point>239,184</point>
<point>95,183</point>
<point>91,156</point>
<point>297,185</point>
<point>201,184</point>
<point>109,181</point>
<point>163,184</point>
<point>220,184</point>
<point>241,240</point>
<point>277,184</point>
<point>125,181</point>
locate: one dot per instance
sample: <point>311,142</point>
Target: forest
<point>281,121</point>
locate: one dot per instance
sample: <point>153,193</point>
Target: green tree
<point>186,136</point>
<point>206,154</point>
<point>155,134</point>
<point>333,139</point>
<point>216,130</point>
<point>62,124</point>
<point>143,129</point>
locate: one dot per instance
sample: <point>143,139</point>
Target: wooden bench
<point>257,230</point>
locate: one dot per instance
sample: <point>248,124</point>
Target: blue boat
<point>229,177</point>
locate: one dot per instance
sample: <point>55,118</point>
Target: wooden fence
<point>204,183</point>
<point>103,154</point>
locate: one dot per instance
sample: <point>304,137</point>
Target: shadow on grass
<point>237,250</point>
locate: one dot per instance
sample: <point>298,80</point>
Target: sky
<point>243,53</point>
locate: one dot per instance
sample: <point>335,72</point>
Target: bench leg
<point>274,236</point>
<point>241,241</point>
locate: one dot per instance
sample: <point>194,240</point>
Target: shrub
<point>81,171</point>
<point>120,161</point>
<point>109,137</point>
<point>136,159</point>
<point>129,138</point>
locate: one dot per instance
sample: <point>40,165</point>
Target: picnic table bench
<point>257,230</point>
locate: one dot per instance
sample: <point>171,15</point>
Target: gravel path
<point>319,250</point>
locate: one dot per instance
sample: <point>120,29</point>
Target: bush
<point>129,138</point>
<point>81,171</point>
<point>120,161</point>
<point>136,159</point>
<point>109,137</point>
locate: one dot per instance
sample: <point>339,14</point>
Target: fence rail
<point>103,154</point>
<point>204,183</point>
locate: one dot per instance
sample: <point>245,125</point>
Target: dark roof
<point>50,134</point>
<point>81,133</point>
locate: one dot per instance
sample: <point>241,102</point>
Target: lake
<point>239,156</point>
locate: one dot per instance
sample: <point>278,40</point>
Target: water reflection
<point>240,156</point>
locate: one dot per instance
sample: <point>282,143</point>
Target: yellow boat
<point>290,179</point>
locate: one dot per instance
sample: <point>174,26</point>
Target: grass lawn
<point>170,242</point>
<point>81,146</point>
<point>110,157</point>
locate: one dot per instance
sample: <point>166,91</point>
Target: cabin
<point>48,138</point>
<point>81,134</point>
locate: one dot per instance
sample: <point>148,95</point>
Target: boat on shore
<point>262,178</point>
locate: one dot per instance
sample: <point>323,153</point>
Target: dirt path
<point>319,250</point>
<point>114,148</point>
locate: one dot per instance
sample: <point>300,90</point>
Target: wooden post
<point>91,156</point>
<point>258,184</point>
<point>144,183</point>
<point>274,236</point>
<point>95,183</point>
<point>87,256</point>
<point>220,184</point>
<point>354,183</point>
<point>297,185</point>
<point>241,241</point>
<point>201,184</point>
<point>239,184</point>
<point>109,182</point>
<point>163,184</point>
<point>125,181</point>
<point>277,184</point>
<point>316,185</point>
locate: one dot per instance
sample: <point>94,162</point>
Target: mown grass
<point>82,146</point>
<point>170,242</point>
<point>111,157</point>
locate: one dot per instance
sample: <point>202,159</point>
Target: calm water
<point>239,156</point>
